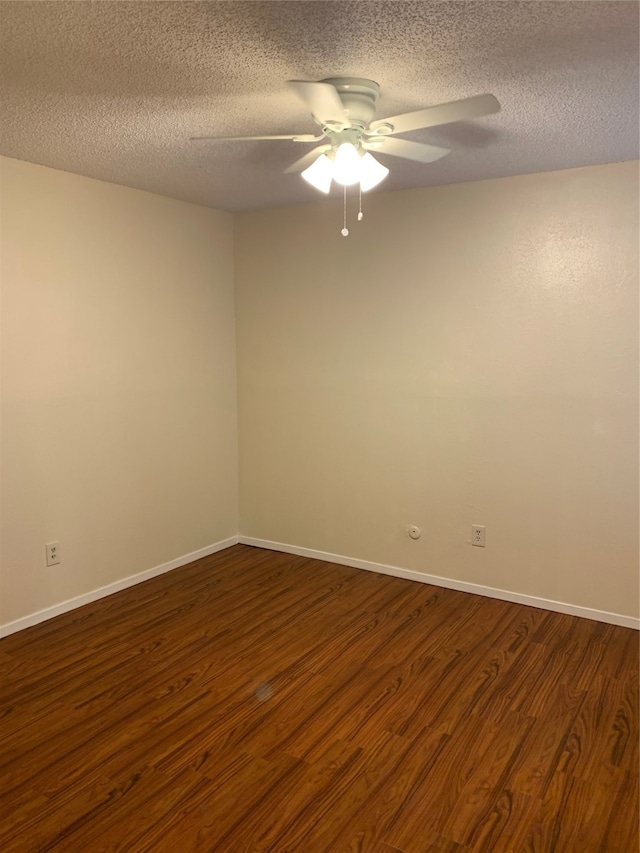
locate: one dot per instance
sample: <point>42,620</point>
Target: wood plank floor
<point>256,701</point>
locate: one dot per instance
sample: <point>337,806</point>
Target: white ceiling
<point>114,90</point>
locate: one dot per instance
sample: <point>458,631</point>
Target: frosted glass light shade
<point>319,173</point>
<point>371,172</point>
<point>346,165</point>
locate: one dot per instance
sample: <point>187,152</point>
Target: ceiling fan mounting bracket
<point>382,129</point>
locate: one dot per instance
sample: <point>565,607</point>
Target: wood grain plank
<point>257,701</point>
<point>435,788</point>
<point>487,807</point>
<point>376,813</point>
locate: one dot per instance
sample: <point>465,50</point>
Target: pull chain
<point>345,230</point>
<point>359,202</point>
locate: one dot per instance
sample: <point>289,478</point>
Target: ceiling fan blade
<point>417,151</point>
<point>309,158</point>
<point>323,101</point>
<point>297,137</point>
<point>479,105</point>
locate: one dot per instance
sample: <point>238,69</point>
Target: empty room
<point>319,449</point>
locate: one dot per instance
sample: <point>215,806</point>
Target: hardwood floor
<point>256,701</point>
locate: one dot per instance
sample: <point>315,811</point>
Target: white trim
<point>395,571</point>
<point>448,583</point>
<point>116,586</point>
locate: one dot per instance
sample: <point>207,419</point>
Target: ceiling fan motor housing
<point>358,97</point>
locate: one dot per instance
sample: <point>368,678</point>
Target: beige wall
<point>118,383</point>
<point>468,355</point>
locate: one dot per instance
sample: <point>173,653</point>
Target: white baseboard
<point>103,591</point>
<point>395,571</point>
<point>448,583</point>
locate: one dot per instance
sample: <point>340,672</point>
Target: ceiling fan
<point>344,107</point>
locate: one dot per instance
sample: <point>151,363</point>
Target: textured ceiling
<point>114,90</point>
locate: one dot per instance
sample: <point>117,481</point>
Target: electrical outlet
<point>478,535</point>
<point>53,553</point>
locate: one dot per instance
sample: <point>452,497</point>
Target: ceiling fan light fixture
<point>347,165</point>
<point>320,173</point>
<point>345,107</point>
<point>371,172</point>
